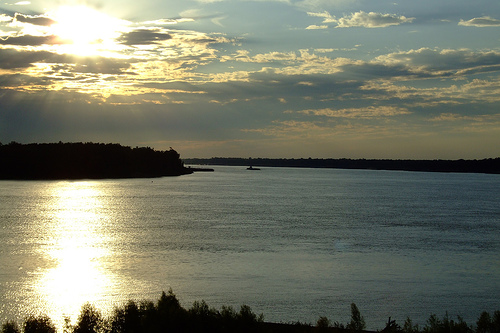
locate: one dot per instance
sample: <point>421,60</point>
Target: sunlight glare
<point>86,30</point>
<point>78,250</point>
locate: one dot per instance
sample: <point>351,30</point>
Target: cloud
<point>28,40</point>
<point>5,18</point>
<point>424,63</point>
<point>52,64</point>
<point>272,57</point>
<point>327,17</point>
<point>136,57</point>
<point>367,112</point>
<point>360,19</point>
<point>35,20</point>
<point>324,50</point>
<point>452,117</point>
<point>168,21</point>
<point>145,37</point>
<point>13,59</point>
<point>157,84</point>
<point>316,27</point>
<point>484,21</point>
<point>100,65</point>
<point>372,20</point>
<point>447,62</point>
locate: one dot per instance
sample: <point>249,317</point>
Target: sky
<point>255,78</point>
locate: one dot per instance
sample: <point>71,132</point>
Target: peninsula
<point>86,161</point>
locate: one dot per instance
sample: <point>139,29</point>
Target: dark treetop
<point>86,161</point>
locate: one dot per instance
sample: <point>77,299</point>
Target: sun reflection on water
<point>76,247</point>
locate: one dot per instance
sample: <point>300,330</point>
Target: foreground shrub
<point>446,325</point>
<point>487,324</point>
<point>90,321</point>
<point>126,319</point>
<point>323,322</point>
<point>357,321</point>
<point>408,326</point>
<point>391,327</point>
<point>167,315</point>
<point>10,327</point>
<point>41,324</point>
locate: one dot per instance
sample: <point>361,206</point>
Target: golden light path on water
<point>76,238</point>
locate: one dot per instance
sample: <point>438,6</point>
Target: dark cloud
<point>369,70</point>
<point>434,62</point>
<point>269,89</point>
<point>12,59</point>
<point>35,20</point>
<point>16,80</point>
<point>70,116</point>
<point>28,40</point>
<point>15,59</point>
<point>144,37</point>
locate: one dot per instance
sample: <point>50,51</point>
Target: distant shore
<point>489,165</point>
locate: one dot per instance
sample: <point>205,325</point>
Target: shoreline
<point>487,166</point>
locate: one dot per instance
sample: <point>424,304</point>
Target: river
<point>293,244</point>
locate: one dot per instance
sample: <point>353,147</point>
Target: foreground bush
<point>167,315</point>
<point>41,324</point>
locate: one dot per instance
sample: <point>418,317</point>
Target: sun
<point>85,30</point>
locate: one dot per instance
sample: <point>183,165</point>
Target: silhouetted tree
<point>10,327</point>
<point>90,320</point>
<point>171,314</point>
<point>247,319</point>
<point>126,319</point>
<point>487,324</point>
<point>41,324</point>
<point>168,316</point>
<point>338,325</point>
<point>391,327</point>
<point>168,304</point>
<point>446,325</point>
<point>202,318</point>
<point>484,323</point>
<point>357,322</point>
<point>496,322</point>
<point>86,160</point>
<point>323,322</point>
<point>408,326</point>
<point>228,317</point>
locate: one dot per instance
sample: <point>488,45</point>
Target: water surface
<point>294,244</point>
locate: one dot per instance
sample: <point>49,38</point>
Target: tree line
<point>489,165</point>
<point>86,161</point>
<point>167,315</point>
